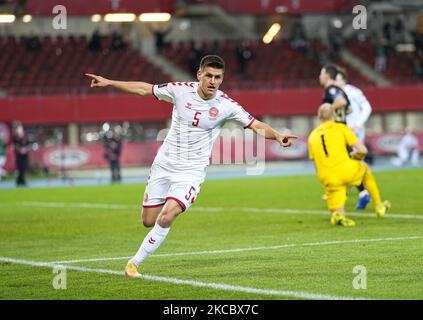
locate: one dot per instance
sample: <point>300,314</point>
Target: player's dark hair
<point>343,73</point>
<point>331,70</point>
<point>212,61</point>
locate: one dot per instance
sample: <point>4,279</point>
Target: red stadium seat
<point>60,64</point>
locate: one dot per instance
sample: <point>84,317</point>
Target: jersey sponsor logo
<point>162,85</point>
<point>213,113</point>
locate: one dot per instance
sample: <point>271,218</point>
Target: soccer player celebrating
<point>360,113</point>
<point>179,168</point>
<point>337,170</point>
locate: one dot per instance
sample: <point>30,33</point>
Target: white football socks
<point>151,242</point>
<point>363,193</point>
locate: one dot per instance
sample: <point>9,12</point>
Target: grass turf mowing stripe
<point>210,209</point>
<point>194,283</point>
<point>282,246</point>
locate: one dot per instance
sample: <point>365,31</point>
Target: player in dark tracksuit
<point>338,99</point>
<point>22,147</point>
<point>332,94</point>
<point>113,149</point>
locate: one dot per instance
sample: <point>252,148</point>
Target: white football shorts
<point>164,184</point>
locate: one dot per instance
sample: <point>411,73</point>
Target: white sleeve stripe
<point>152,91</point>
<point>249,125</point>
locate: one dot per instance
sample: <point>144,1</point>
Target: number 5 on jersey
<point>197,119</point>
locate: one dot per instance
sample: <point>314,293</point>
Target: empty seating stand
<point>276,65</point>
<point>58,65</point>
<point>400,66</point>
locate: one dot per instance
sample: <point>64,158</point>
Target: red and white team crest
<point>213,113</point>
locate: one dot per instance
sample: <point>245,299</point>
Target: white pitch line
<point>322,212</point>
<point>194,283</point>
<point>212,209</point>
<point>86,205</point>
<point>261,248</point>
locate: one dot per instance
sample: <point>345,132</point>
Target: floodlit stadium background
<point>44,56</point>
<point>247,236</point>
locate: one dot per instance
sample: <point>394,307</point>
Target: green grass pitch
<point>250,238</point>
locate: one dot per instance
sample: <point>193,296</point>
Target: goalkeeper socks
<point>363,193</point>
<point>371,185</point>
<point>151,242</point>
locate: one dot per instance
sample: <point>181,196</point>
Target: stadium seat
<point>58,67</point>
<point>289,67</point>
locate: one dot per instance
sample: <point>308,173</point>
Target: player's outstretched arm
<point>263,129</point>
<point>135,87</point>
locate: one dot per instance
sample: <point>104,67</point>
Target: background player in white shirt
<point>408,149</point>
<point>360,113</point>
<point>199,111</point>
<point>360,106</point>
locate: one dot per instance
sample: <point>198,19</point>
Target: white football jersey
<point>196,123</point>
<point>360,107</point>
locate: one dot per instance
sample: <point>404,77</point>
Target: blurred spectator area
<point>269,6</point>
<point>401,67</point>
<point>277,65</point>
<point>47,65</point>
<point>57,65</point>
